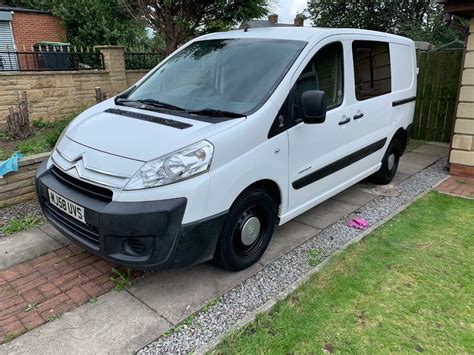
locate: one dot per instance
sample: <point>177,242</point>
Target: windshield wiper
<point>157,103</point>
<point>147,102</point>
<point>215,113</point>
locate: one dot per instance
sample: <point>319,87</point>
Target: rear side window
<point>324,72</point>
<point>371,69</point>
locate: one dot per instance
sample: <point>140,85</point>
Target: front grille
<point>85,232</point>
<point>97,192</point>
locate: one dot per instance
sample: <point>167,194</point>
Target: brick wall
<point>20,186</point>
<point>462,152</point>
<point>52,94</point>
<point>31,28</point>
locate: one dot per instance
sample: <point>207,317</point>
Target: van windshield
<point>232,75</point>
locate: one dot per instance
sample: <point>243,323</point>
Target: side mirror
<point>313,106</point>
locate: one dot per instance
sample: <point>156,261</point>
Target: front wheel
<point>247,230</point>
<point>389,164</point>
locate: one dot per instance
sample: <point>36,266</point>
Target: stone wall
<point>20,186</point>
<point>52,94</point>
<point>134,75</point>
<point>462,148</point>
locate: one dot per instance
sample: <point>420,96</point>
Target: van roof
<point>301,33</point>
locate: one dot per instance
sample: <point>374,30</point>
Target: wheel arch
<point>271,187</point>
<point>401,135</point>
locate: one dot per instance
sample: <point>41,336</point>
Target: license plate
<point>69,207</point>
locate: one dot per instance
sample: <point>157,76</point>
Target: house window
<point>8,60</point>
<point>371,69</point>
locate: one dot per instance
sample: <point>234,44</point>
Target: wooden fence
<point>438,81</point>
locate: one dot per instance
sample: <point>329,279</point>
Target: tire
<point>247,230</point>
<point>390,163</point>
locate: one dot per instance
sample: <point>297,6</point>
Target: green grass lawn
<point>407,287</point>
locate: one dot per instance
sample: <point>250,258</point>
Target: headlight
<point>179,165</point>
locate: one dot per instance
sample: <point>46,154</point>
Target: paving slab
<point>175,294</point>
<point>410,167</point>
<point>356,194</point>
<point>55,234</point>
<point>437,149</point>
<point>425,159</point>
<point>117,324</point>
<point>326,213</point>
<point>24,246</point>
<point>287,237</point>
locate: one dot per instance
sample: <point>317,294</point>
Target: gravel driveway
<point>22,210</point>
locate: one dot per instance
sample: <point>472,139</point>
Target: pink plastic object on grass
<point>358,223</point>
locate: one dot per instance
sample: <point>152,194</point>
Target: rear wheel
<point>247,230</point>
<point>389,164</point>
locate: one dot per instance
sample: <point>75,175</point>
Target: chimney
<point>299,21</point>
<point>273,18</point>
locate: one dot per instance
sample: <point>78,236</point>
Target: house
<point>20,30</point>
<point>461,157</point>
<point>272,21</point>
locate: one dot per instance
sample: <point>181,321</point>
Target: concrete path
<point>23,246</point>
<point>123,322</point>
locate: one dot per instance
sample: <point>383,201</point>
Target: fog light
<point>134,247</point>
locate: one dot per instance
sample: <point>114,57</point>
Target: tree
<point>420,20</point>
<point>92,22</point>
<point>176,21</point>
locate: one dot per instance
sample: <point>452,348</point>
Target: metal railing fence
<point>46,61</point>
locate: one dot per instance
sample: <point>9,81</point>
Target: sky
<point>287,9</point>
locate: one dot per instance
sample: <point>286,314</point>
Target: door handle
<point>359,115</point>
<point>344,121</point>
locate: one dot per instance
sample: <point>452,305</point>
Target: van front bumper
<point>138,235</point>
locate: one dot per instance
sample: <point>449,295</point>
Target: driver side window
<point>324,72</point>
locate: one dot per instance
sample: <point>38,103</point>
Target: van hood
<point>139,134</point>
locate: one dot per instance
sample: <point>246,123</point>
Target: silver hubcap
<point>250,231</point>
<point>391,161</point>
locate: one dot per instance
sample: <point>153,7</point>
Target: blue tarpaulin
<point>11,164</point>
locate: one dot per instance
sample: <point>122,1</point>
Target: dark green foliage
<point>176,21</point>
<point>93,22</point>
<point>56,130</point>
<point>421,20</point>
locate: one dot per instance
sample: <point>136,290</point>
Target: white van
<point>232,134</point>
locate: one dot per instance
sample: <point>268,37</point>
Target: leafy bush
<point>56,131</point>
<point>40,123</point>
<point>46,134</point>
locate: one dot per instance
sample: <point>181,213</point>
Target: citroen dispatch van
<point>232,134</point>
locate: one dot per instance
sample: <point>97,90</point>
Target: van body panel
<point>238,166</point>
<point>88,130</point>
<point>312,147</point>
